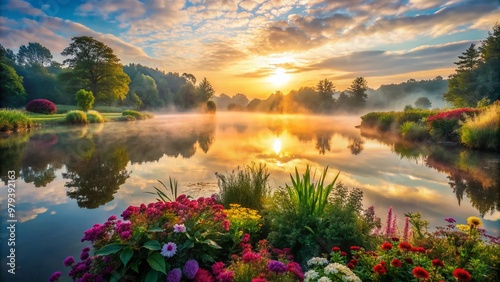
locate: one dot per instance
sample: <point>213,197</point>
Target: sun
<point>277,145</point>
<point>279,77</point>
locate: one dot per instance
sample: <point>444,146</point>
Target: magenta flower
<point>69,261</point>
<point>55,276</point>
<point>174,275</point>
<point>179,228</point>
<point>190,268</point>
<point>450,220</point>
<point>169,249</point>
<point>276,266</point>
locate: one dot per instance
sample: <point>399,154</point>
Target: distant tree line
<point>92,66</point>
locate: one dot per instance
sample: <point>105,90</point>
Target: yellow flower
<point>474,221</point>
<point>462,227</point>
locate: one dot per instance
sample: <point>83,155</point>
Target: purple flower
<point>179,228</point>
<point>84,255</point>
<point>55,276</point>
<point>190,268</point>
<point>69,261</point>
<point>174,275</point>
<point>450,220</point>
<point>125,235</point>
<point>86,249</point>
<point>169,249</point>
<point>276,266</point>
<point>111,218</point>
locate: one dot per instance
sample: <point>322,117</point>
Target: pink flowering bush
<point>162,240</point>
<point>41,106</point>
<point>444,125</point>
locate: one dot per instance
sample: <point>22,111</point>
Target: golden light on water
<point>277,145</point>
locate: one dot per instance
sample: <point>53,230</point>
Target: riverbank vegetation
<point>313,230</point>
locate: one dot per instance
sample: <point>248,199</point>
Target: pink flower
<point>179,228</point>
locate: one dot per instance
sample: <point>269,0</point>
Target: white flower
<point>332,268</point>
<point>324,279</point>
<point>317,261</point>
<point>179,228</point>
<point>310,275</point>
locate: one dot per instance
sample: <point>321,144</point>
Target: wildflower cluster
<point>452,114</point>
<point>243,220</point>
<point>320,269</point>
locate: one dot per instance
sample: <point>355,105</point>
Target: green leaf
<point>109,249</point>
<point>152,276</point>
<point>126,255</point>
<point>152,245</point>
<point>115,277</point>
<point>135,267</point>
<point>212,244</point>
<point>310,229</point>
<point>188,244</point>
<point>156,229</point>
<point>157,262</point>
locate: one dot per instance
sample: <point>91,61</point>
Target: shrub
<point>444,125</point>
<point>13,120</point>
<point>482,131</point>
<point>413,131</point>
<point>211,107</point>
<point>76,117</point>
<point>94,117</point>
<point>41,106</point>
<point>84,99</point>
<point>247,187</point>
<point>136,114</point>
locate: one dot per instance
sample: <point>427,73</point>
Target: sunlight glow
<point>277,145</point>
<point>279,77</point>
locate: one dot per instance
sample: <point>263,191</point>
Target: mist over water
<point>70,178</point>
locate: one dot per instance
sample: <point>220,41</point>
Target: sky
<point>257,47</point>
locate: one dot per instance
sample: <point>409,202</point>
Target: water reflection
<point>474,174</point>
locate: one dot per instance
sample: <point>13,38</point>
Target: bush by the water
<point>41,106</point>
<point>76,117</point>
<point>136,114</point>
<point>84,99</point>
<point>412,131</point>
<point>385,121</point>
<point>13,120</point>
<point>444,125</point>
<point>482,131</point>
<point>247,187</point>
<point>94,117</point>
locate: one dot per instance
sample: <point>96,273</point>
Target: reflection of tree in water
<point>94,180</point>
<point>484,199</point>
<point>12,147</point>
<point>323,138</point>
<point>206,137</point>
<point>355,145</point>
<point>39,177</point>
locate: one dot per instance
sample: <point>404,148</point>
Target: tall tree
<point>34,54</point>
<point>7,56</point>
<point>325,89</point>
<point>423,103</point>
<point>189,77</point>
<point>357,92</point>
<point>11,87</point>
<point>95,67</point>
<point>205,90</point>
<point>469,60</point>
<point>145,88</point>
<point>489,71</point>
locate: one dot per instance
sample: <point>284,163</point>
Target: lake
<point>69,178</point>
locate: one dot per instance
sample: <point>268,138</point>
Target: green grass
<point>76,117</point>
<point>109,109</point>
<point>413,131</point>
<point>137,115</point>
<point>62,109</point>
<point>14,120</point>
<point>482,131</point>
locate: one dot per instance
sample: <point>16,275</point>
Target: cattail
<point>405,232</point>
<point>388,223</point>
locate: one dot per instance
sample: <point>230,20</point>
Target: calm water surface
<point>69,178</point>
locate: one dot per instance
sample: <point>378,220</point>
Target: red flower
<point>396,263</point>
<point>344,254</point>
<point>386,246</point>
<point>395,239</point>
<point>355,248</point>
<point>354,261</point>
<point>462,274</point>
<point>437,263</point>
<point>419,272</point>
<point>378,268</point>
<point>350,266</point>
<point>404,246</point>
<point>335,249</point>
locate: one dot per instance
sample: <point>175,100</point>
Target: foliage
<point>321,270</point>
<point>483,130</point>
<point>136,114</point>
<point>154,240</point>
<point>11,87</point>
<point>423,103</point>
<point>357,93</point>
<point>94,66</point>
<point>94,117</point>
<point>444,125</point>
<point>41,106</point>
<point>325,90</point>
<point>247,187</point>
<point>145,89</point>
<point>84,99</point>
<point>211,107</point>
<point>162,197</point>
<point>243,221</point>
<point>205,90</point>
<point>76,117</point>
<point>34,54</point>
<point>414,132</point>
<point>13,120</point>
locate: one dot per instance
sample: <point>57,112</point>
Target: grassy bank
<point>14,120</point>
<point>477,128</point>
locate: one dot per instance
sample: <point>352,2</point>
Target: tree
<point>7,56</point>
<point>423,103</point>
<point>95,67</point>
<point>84,99</point>
<point>211,107</point>
<point>325,89</point>
<point>205,90</point>
<point>11,87</point>
<point>357,92</point>
<point>469,60</point>
<point>145,88</point>
<point>489,72</point>
<point>33,54</point>
<point>189,77</point>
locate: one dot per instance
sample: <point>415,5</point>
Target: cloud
<point>22,7</point>
<point>123,10</point>
<point>380,63</point>
<point>248,5</point>
<point>218,55</point>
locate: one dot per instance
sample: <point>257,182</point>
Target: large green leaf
<point>152,245</point>
<point>152,276</point>
<point>126,255</point>
<point>109,249</point>
<point>157,262</point>
<point>212,244</point>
